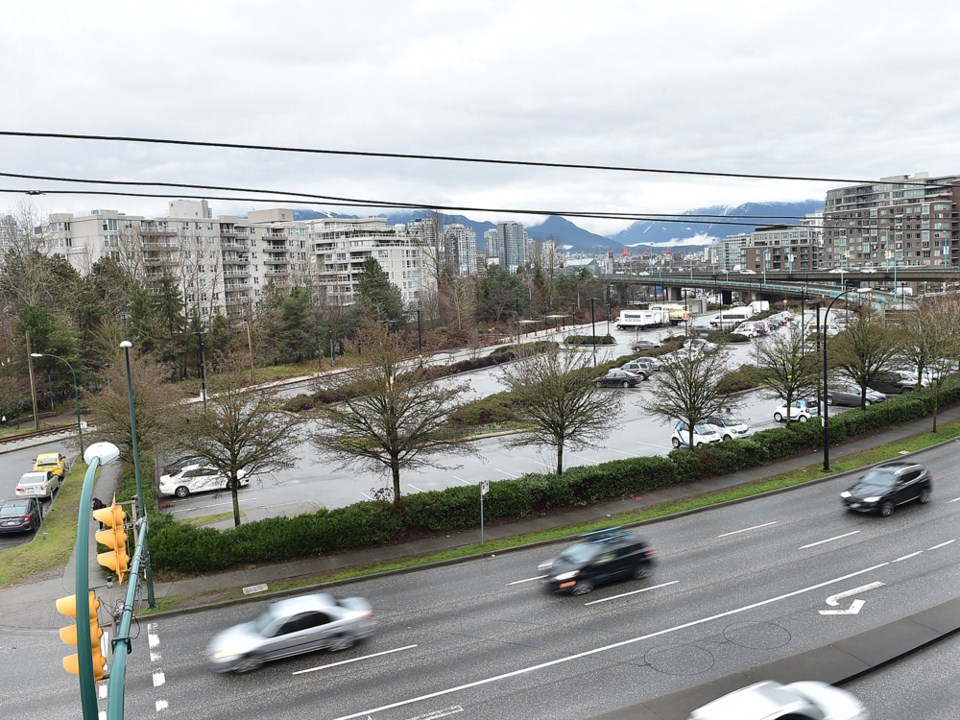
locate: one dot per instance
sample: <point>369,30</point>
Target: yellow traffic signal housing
<point>113,537</point>
<point>71,663</point>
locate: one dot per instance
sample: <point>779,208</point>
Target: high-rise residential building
<point>901,220</point>
<point>459,248</point>
<point>789,248</point>
<point>513,236</point>
<point>494,244</point>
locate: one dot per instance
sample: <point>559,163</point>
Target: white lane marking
<point>102,690</point>
<point>159,679</point>
<point>353,660</point>
<point>152,638</point>
<point>162,705</point>
<point>907,557</point>
<point>456,477</point>
<point>821,542</point>
<point>613,646</point>
<point>855,607</point>
<point>954,500</point>
<point>542,464</point>
<point>583,457</point>
<point>834,600</point>
<point>102,715</point>
<point>436,714</point>
<point>755,527</point>
<point>520,582</point>
<point>414,487</point>
<point>506,473</point>
<point>155,657</point>
<point>935,547</point>
<point>632,592</point>
<point>365,495</point>
<point>624,452</point>
<point>204,507</point>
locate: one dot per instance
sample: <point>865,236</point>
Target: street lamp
<point>76,392</point>
<point>824,414</point>
<point>100,453</point>
<point>141,507</point>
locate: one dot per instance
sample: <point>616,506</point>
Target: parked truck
<point>641,319</point>
<point>676,314</point>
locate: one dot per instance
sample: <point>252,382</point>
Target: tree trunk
<point>560,459</point>
<point>234,484</point>
<point>395,471</point>
<point>936,406</point>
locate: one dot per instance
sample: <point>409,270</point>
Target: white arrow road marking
<point>855,606</point>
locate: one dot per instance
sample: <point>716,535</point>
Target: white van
<point>729,319</point>
<point>196,478</point>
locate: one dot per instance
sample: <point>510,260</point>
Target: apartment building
<point>512,245</point>
<point>459,248</point>
<point>223,263</point>
<point>904,220</point>
<point>785,248</point>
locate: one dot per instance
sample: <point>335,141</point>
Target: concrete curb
<point>835,664</point>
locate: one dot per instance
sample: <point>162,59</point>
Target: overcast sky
<point>857,90</point>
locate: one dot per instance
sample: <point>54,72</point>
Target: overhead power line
<point>437,158</point>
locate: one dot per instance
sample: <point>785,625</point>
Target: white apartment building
<point>224,263</point>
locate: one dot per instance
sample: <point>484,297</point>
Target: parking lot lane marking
<point>414,487</point>
<point>954,500</point>
<point>353,660</point>
<point>456,477</point>
<point>210,505</point>
<point>624,452</point>
<point>943,544</point>
<point>506,473</point>
<point>365,495</point>
<point>755,527</point>
<point>821,542</point>
<point>162,705</point>
<point>907,557</point>
<point>632,592</point>
<point>605,648</point>
<point>520,582</point>
<point>159,679</point>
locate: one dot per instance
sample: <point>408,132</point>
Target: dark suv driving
<point>599,557</point>
<point>886,486</point>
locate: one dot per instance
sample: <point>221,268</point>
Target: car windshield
<point>263,621</point>
<point>579,553</point>
<point>883,478</point>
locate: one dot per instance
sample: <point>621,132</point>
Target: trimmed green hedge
<point>184,548</point>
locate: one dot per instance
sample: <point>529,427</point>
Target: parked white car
<point>702,435</point>
<point>800,411</point>
<point>41,484</point>
<point>196,478</point>
<point>728,427</point>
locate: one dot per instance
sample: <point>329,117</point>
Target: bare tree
<point>864,349</point>
<point>558,394</point>
<point>241,433</point>
<point>789,368</point>
<point>393,417</point>
<point>688,387</point>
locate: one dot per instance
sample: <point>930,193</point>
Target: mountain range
<point>692,230</point>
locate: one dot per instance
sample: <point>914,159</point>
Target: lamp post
<point>101,453</point>
<point>203,367</point>
<point>140,505</point>
<point>76,392</point>
<point>824,413</point>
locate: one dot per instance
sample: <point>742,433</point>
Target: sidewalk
<point>32,606</point>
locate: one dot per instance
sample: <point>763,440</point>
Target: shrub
<point>589,340</point>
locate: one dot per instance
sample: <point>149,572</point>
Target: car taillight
<point>650,552</point>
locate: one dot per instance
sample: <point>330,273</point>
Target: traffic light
<point>113,536</point>
<point>71,663</point>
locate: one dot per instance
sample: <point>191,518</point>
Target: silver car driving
<point>291,627</point>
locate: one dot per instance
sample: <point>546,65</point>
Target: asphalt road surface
<point>735,587</point>
<point>12,465</point>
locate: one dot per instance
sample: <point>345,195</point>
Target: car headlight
<point>568,575</point>
<point>223,655</point>
<point>845,494</point>
<point>873,499</point>
<point>544,566</point>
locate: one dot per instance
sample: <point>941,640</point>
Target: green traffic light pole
<point>98,454</point>
<point>121,643</point>
<point>141,506</point>
<point>76,392</point>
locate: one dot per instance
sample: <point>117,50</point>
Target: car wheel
<point>642,572</point>
<point>248,663</point>
<point>886,510</point>
<point>778,417</point>
<point>625,384</point>
<point>182,491</point>
<point>866,403</point>
<point>829,400</point>
<point>728,437</point>
<point>344,642</point>
<point>582,588</point>
<point>925,496</point>
<point>675,442</point>
<point>803,418</point>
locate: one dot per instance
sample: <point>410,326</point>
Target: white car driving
<point>197,478</point>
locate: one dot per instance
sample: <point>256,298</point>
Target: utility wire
<point>438,158</point>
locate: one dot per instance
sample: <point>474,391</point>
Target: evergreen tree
<point>377,297</point>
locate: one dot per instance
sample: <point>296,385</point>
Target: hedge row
<point>183,548</point>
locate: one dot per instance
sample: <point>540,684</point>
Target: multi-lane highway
<point>735,587</point>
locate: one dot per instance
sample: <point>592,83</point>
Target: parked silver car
<point>291,627</point>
